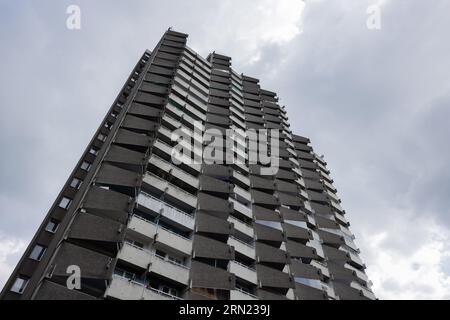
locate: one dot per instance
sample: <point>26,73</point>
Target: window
<point>175,260</point>
<point>93,151</point>
<point>19,285</point>
<point>37,253</point>
<point>76,183</point>
<point>65,203</point>
<point>168,290</point>
<point>124,274</point>
<point>101,137</point>
<point>85,166</point>
<point>52,226</point>
<point>134,243</point>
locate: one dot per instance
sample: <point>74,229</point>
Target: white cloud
<point>400,275</point>
<point>242,33</point>
<point>10,251</point>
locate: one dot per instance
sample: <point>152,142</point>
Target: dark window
<point>65,203</point>
<point>85,166</point>
<point>76,183</point>
<point>52,226</point>
<point>19,284</point>
<point>93,151</point>
<point>37,253</point>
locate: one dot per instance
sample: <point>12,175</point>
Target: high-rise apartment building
<point>130,223</point>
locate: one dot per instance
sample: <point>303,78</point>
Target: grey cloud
<point>375,103</point>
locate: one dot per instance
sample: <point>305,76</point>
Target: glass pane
<point>37,253</point>
<point>19,285</point>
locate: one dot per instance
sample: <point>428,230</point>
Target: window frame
<point>40,254</point>
<point>67,202</point>
<point>55,222</point>
<point>19,289</point>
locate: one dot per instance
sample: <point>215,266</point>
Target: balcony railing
<point>245,293</point>
<point>168,211</point>
<point>124,288</point>
<point>161,227</point>
<point>241,226</point>
<point>170,189</point>
<point>249,245</point>
<point>242,208</point>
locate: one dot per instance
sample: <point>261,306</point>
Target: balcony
<point>162,235</point>
<point>363,290</point>
<point>326,177</point>
<point>321,267</point>
<point>185,116</point>
<point>169,269</point>
<point>238,294</point>
<point>241,226</point>
<point>134,255</point>
<point>355,259</point>
<point>242,247</point>
<point>341,218</point>
<point>361,275</point>
<point>337,206</point>
<point>187,132</point>
<point>239,176</point>
<point>185,159</point>
<point>243,272</point>
<point>125,289</point>
<point>166,210</point>
<point>242,195</point>
<point>313,283</point>
<point>329,185</point>
<point>174,171</point>
<point>156,264</point>
<point>239,207</point>
<point>185,141</point>
<point>171,190</point>
<point>332,195</point>
<point>321,166</point>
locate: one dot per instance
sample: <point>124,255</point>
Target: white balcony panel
<point>134,255</point>
<point>242,247</point>
<point>175,171</point>
<point>241,226</point>
<point>241,295</point>
<point>169,269</point>
<point>142,227</point>
<point>170,189</point>
<point>242,194</point>
<point>174,241</point>
<point>239,207</point>
<point>243,272</point>
<point>239,176</point>
<point>124,289</point>
<point>166,210</point>
<point>329,185</point>
<point>168,238</point>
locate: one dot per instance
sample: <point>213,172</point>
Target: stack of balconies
<point>94,240</point>
<point>210,278</point>
<point>209,225</point>
<point>270,252</point>
<point>344,265</point>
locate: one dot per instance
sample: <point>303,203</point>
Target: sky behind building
<point>376,103</point>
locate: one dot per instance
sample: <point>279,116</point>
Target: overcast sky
<point>376,103</point>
